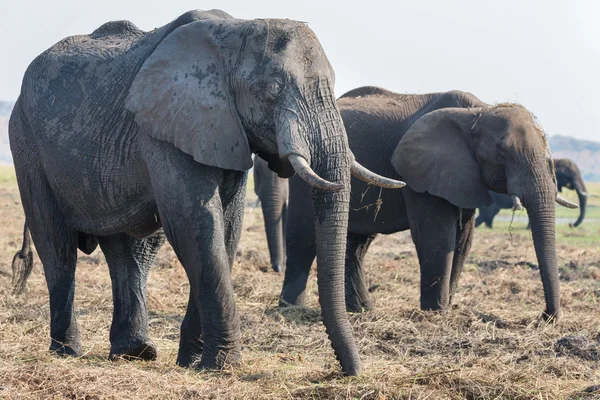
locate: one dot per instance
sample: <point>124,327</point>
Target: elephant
<point>273,193</point>
<point>450,148</point>
<point>567,175</point>
<point>122,132</point>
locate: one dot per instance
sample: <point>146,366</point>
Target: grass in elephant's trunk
<point>492,345</point>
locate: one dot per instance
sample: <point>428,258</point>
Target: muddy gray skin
<point>451,148</point>
<point>120,133</point>
<point>567,175</point>
<point>273,193</point>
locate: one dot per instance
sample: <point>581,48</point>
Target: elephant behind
<point>451,148</point>
<point>567,175</point>
<point>121,132</point>
<point>273,193</point>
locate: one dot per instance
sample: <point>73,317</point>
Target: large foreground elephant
<point>273,193</point>
<point>451,148</point>
<point>567,175</point>
<point>121,132</point>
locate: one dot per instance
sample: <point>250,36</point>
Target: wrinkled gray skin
<point>567,175</point>
<point>450,148</point>
<point>273,194</point>
<point>119,133</point>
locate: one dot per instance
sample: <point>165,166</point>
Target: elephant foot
<point>356,304</point>
<point>64,349</point>
<point>189,354</point>
<point>133,349</point>
<point>434,306</point>
<point>220,359</point>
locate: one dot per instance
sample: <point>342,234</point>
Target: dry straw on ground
<point>492,345</point>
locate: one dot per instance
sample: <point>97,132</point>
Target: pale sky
<point>544,54</point>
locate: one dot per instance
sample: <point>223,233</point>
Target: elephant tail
<point>22,263</point>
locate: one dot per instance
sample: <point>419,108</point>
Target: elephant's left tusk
<point>516,201</point>
<point>375,179</point>
<point>565,203</point>
<point>584,194</point>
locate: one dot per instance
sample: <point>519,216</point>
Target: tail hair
<point>22,263</point>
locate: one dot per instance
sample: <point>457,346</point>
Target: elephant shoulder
<point>116,28</point>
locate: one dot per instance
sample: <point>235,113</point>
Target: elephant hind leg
<point>357,294</point>
<point>56,245</point>
<point>464,239</point>
<point>129,261</point>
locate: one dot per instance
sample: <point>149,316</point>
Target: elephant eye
<point>274,88</point>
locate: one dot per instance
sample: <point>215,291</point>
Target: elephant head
<point>569,176</point>
<point>460,153</point>
<point>220,90</point>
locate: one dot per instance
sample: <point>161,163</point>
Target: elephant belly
<point>103,199</point>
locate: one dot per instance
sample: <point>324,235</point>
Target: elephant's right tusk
<point>309,176</point>
<point>565,203</point>
<point>516,201</point>
<point>374,179</point>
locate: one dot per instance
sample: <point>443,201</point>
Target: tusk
<point>305,172</point>
<point>584,194</point>
<point>516,201</point>
<point>565,203</point>
<point>374,179</point>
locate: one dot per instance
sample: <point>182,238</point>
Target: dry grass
<point>492,345</point>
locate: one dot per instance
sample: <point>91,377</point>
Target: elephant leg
<point>188,196</point>
<point>272,208</point>
<point>357,294</point>
<point>433,227</point>
<point>494,210</point>
<point>190,342</point>
<point>464,239</point>
<point>129,261</point>
<point>56,245</point>
<point>301,252</point>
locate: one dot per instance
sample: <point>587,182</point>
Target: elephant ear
<point>435,156</point>
<point>182,94</point>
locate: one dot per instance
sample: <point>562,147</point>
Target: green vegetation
<point>586,235</point>
<point>7,174</point>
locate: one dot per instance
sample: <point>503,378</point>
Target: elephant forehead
<point>286,45</point>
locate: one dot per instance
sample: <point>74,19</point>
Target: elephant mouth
<point>303,169</point>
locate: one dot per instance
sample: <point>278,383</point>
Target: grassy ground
<point>491,345</point>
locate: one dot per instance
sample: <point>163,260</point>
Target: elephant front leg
<point>433,225</point>
<point>129,261</point>
<point>188,196</point>
<point>357,294</point>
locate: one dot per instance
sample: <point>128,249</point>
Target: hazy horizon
<point>542,54</point>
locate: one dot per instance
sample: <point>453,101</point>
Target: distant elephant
<point>121,132</point>
<point>567,175</point>
<point>450,148</point>
<point>273,193</point>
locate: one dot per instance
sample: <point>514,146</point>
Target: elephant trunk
<point>311,135</point>
<point>541,209</point>
<point>331,226</point>
<point>273,208</point>
<point>582,206</point>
